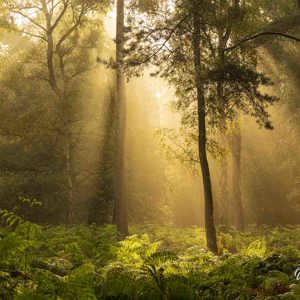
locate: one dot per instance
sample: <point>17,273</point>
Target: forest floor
<point>154,262</point>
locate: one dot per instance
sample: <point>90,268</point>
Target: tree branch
<point>60,15</point>
<point>147,59</point>
<point>32,21</point>
<point>258,35</point>
<point>30,34</point>
<point>71,29</point>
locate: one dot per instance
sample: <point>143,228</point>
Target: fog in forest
<point>149,149</point>
<point>162,188</point>
<point>269,173</point>
<point>169,189</point>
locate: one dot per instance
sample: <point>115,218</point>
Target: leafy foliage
<point>90,263</point>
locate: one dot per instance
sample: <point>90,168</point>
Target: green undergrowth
<point>154,262</point>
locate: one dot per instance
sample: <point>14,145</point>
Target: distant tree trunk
<point>208,197</point>
<point>236,176</point>
<point>224,197</point>
<point>223,38</point>
<point>121,201</point>
<point>60,91</point>
<point>101,205</point>
<point>69,181</point>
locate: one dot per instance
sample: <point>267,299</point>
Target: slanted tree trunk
<point>121,201</point>
<point>236,175</point>
<point>208,197</point>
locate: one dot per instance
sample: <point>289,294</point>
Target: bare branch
<point>32,21</point>
<point>31,34</point>
<point>53,6</point>
<point>60,15</point>
<point>255,36</point>
<point>71,29</point>
<point>80,72</point>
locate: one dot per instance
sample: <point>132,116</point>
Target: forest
<point>149,149</point>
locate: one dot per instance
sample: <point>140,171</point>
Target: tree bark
<point>208,197</point>
<point>236,176</point>
<point>121,201</point>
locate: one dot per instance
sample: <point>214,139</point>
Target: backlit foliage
<point>90,263</point>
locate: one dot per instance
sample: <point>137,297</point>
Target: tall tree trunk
<point>121,201</point>
<point>236,175</point>
<point>208,197</point>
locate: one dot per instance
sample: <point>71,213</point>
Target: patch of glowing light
<point>110,23</point>
<point>158,94</point>
<point>4,49</point>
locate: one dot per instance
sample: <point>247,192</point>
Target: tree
<point>201,106</point>
<point>121,206</point>
<point>223,78</point>
<point>57,26</point>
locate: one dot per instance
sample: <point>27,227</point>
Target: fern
<point>10,219</point>
<point>83,262</point>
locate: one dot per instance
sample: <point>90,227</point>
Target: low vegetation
<point>80,262</point>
